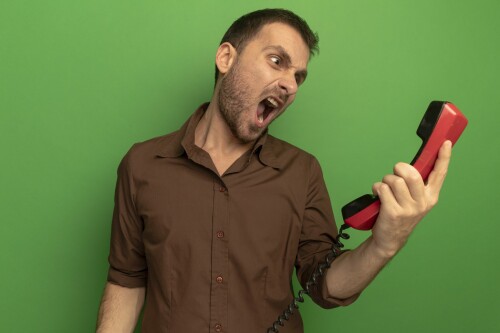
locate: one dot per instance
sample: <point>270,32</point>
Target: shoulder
<point>143,153</point>
<point>286,152</point>
<point>168,145</point>
<point>289,158</point>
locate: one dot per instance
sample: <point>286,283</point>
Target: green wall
<point>80,81</point>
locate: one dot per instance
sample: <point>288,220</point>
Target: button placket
<point>220,257</point>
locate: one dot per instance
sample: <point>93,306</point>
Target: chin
<point>249,137</point>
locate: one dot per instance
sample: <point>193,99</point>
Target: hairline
<point>240,47</point>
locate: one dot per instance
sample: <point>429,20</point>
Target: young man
<point>211,220</point>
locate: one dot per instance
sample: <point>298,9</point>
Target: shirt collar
<point>268,149</point>
<point>182,138</point>
<point>182,141</point>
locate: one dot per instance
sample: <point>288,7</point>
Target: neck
<point>213,135</point>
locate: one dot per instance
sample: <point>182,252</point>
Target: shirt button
<point>222,189</point>
<point>219,279</point>
<point>218,327</point>
<point>220,234</point>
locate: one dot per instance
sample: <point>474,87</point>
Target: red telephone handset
<point>442,121</point>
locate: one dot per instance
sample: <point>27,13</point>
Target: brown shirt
<point>217,253</point>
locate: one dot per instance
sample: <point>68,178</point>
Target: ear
<point>225,57</point>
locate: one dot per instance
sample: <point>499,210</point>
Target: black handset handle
<point>442,121</point>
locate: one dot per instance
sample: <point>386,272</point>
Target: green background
<point>81,81</point>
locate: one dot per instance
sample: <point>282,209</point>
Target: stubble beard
<point>233,102</point>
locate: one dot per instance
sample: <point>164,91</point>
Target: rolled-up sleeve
<point>317,237</point>
<point>127,263</point>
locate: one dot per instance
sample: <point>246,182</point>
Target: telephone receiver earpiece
<point>442,121</point>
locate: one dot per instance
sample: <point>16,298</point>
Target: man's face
<point>263,80</point>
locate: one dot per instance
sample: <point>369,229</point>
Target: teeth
<point>272,102</point>
<point>261,118</point>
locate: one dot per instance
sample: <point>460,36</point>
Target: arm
<point>405,200</point>
<point>127,274</point>
<point>120,309</point>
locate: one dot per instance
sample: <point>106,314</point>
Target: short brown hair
<point>246,27</point>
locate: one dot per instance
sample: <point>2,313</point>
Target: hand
<point>405,200</point>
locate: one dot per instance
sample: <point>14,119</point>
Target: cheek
<point>269,77</point>
<point>261,74</point>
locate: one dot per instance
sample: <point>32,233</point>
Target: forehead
<point>284,36</point>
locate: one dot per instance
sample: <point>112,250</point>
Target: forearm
<point>353,271</point>
<point>120,309</point>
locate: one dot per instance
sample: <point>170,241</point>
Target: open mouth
<point>267,109</point>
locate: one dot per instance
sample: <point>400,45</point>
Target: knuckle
<point>393,180</point>
<point>412,212</point>
<point>399,181</point>
<point>384,187</point>
<point>423,208</point>
<point>414,177</point>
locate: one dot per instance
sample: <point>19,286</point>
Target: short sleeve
<point>127,263</point>
<point>317,237</point>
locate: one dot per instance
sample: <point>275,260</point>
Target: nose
<point>288,84</point>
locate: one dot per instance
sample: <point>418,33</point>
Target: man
<point>211,220</point>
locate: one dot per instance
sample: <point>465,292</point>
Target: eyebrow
<point>301,74</point>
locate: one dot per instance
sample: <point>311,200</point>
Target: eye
<point>276,60</point>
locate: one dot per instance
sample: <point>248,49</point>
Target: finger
<point>375,188</point>
<point>438,174</point>
<point>413,180</point>
<point>387,199</point>
<point>399,189</point>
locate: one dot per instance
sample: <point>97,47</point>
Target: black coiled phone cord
<point>320,270</point>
